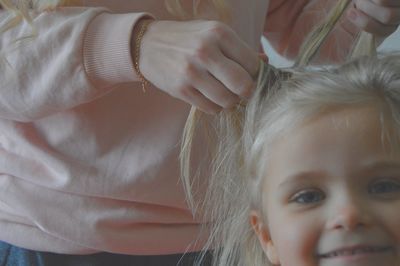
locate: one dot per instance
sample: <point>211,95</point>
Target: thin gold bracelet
<point>143,27</point>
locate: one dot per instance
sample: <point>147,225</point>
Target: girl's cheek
<point>300,240</point>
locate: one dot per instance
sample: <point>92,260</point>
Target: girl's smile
<point>356,253</point>
<point>331,193</point>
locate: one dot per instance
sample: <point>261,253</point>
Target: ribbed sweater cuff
<point>107,50</point>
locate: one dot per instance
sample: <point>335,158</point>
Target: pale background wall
<point>390,44</point>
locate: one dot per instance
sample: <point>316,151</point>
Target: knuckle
<point>220,30</point>
<point>189,70</point>
<point>202,53</point>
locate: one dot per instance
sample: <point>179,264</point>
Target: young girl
<point>322,167</point>
<point>315,164</point>
<point>88,160</point>
<point>307,172</point>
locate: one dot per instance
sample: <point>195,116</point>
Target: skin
<point>212,68</point>
<point>209,66</point>
<point>379,17</point>
<point>329,186</point>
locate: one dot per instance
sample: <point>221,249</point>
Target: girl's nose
<point>349,215</point>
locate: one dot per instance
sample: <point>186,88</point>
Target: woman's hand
<point>379,17</point>
<point>203,63</point>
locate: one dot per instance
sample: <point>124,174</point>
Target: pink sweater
<point>88,162</point>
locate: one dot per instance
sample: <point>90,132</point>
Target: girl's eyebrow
<point>301,177</point>
<point>381,165</point>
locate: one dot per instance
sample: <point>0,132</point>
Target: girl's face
<point>331,194</point>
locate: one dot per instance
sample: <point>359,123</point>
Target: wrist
<point>136,40</point>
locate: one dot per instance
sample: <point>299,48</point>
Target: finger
<point>386,15</point>
<point>368,24</point>
<point>214,90</point>
<point>198,100</point>
<point>236,49</point>
<point>232,75</point>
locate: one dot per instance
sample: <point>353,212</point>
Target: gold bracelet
<point>143,26</point>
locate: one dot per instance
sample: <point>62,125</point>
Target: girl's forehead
<point>345,116</point>
<point>356,122</point>
<point>340,141</point>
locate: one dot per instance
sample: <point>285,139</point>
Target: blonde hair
<point>281,101</point>
<point>235,186</point>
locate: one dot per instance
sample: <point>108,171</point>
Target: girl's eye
<point>308,197</point>
<point>386,186</point>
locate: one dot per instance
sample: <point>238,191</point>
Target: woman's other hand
<point>379,17</point>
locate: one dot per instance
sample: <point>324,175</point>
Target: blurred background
<point>390,44</point>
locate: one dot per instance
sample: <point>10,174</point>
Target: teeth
<point>354,252</point>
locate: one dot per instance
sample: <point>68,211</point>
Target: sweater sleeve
<point>289,21</point>
<point>64,58</point>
